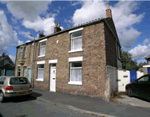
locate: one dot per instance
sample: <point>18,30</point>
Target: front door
<point>29,74</point>
<point>25,72</point>
<point>53,77</point>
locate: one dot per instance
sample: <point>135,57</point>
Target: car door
<point>146,88</point>
<point>2,79</point>
<point>142,85</point>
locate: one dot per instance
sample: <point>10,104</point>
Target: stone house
<point>6,66</point>
<point>81,60</point>
<point>146,68</point>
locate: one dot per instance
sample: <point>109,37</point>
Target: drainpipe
<point>33,56</point>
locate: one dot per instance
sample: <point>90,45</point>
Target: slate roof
<point>75,27</point>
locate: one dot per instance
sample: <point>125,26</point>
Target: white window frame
<point>73,38</point>
<point>73,60</point>
<point>42,46</point>
<point>40,63</point>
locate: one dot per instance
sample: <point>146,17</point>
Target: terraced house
<point>81,60</point>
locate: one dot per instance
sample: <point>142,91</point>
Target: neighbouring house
<point>81,60</point>
<point>146,68</point>
<point>7,67</point>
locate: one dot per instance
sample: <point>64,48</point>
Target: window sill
<point>39,79</point>
<point>75,51</point>
<point>41,56</point>
<point>75,83</point>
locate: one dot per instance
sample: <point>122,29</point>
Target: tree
<point>125,58</point>
<point>127,61</point>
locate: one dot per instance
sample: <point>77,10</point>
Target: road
<point>30,107</point>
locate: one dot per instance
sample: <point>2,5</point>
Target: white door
<point>123,79</point>
<point>53,78</point>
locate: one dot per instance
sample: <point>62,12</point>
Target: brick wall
<point>111,58</point>
<point>28,59</point>
<point>93,64</point>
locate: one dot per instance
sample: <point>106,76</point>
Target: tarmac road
<point>30,107</point>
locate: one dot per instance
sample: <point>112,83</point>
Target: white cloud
<point>27,10</point>
<point>128,37</point>
<point>30,11</point>
<point>26,34</point>
<point>8,37</point>
<point>20,42</point>
<point>74,3</point>
<point>12,58</point>
<point>140,51</point>
<point>146,41</point>
<point>46,25</point>
<point>122,13</point>
<point>89,11</point>
<point>14,20</point>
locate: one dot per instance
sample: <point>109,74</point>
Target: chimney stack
<point>41,35</point>
<point>108,12</point>
<point>57,28</point>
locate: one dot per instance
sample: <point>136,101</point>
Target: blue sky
<point>20,18</point>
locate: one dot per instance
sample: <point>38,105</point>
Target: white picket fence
<point>124,79</point>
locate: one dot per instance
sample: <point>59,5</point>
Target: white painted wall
<point>139,74</point>
<point>124,78</point>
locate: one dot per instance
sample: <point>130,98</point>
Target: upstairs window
<point>42,48</point>
<point>76,41</point>
<point>22,51</point>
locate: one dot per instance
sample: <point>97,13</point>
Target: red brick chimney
<point>57,28</point>
<point>108,12</point>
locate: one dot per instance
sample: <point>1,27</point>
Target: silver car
<point>11,86</point>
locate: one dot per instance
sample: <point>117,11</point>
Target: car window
<point>144,79</point>
<point>19,80</point>
<point>2,79</point>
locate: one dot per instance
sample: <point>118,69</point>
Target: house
<point>81,60</point>
<point>6,66</point>
<point>146,68</point>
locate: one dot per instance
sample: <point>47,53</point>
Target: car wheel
<point>2,98</point>
<point>129,92</point>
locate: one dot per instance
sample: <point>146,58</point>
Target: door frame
<point>51,62</point>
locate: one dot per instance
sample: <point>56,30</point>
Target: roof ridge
<point>85,23</point>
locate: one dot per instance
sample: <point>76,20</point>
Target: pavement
<point>94,106</point>
<point>134,101</point>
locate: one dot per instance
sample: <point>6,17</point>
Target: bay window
<point>22,51</point>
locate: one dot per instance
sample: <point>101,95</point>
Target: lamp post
<point>33,56</point>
